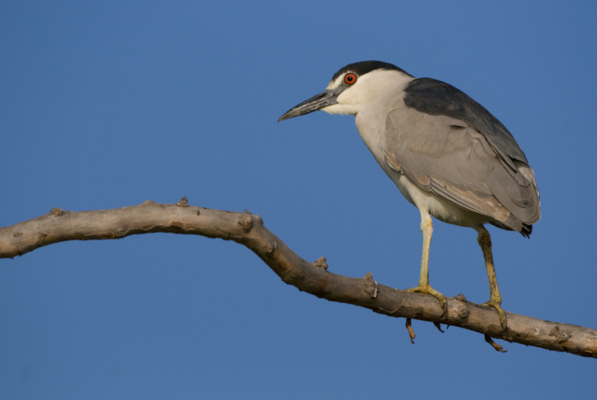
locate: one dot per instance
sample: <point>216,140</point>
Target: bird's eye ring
<point>350,79</point>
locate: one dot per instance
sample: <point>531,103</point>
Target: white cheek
<point>347,103</point>
<point>343,109</point>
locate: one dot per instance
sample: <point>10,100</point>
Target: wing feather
<point>453,160</point>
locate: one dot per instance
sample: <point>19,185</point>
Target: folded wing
<point>451,158</point>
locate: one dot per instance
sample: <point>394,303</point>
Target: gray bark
<point>313,278</point>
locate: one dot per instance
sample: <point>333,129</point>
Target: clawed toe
<point>500,311</point>
<point>429,290</point>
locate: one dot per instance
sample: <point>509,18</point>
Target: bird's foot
<point>427,289</point>
<point>498,308</point>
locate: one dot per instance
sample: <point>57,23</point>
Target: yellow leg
<point>495,300</point>
<point>424,287</point>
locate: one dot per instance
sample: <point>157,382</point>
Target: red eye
<point>350,79</point>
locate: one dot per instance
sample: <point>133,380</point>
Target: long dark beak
<point>327,98</point>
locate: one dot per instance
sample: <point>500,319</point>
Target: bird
<point>447,154</point>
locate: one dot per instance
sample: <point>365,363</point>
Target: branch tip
<point>56,212</point>
<point>371,286</point>
<point>321,263</point>
<point>246,222</point>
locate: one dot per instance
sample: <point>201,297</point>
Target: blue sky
<point>110,104</point>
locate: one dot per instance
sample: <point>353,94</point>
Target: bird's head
<point>351,88</point>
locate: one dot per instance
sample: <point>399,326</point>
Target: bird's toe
<point>500,311</point>
<point>427,289</point>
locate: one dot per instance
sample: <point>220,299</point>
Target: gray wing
<point>452,159</point>
<point>434,97</point>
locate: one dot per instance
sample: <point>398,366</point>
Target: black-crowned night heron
<point>446,153</point>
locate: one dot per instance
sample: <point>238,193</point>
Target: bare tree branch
<point>313,278</point>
